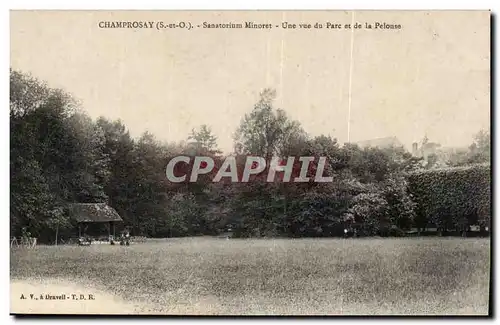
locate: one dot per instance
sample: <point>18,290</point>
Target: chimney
<point>414,149</point>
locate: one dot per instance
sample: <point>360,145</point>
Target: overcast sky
<point>431,77</point>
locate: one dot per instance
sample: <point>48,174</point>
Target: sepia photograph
<point>244,163</point>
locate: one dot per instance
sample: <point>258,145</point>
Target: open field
<point>271,277</point>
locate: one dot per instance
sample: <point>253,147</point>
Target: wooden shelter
<point>88,213</point>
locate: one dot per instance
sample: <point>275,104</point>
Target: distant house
<point>425,150</point>
<point>440,156</point>
<point>86,214</point>
<point>381,143</point>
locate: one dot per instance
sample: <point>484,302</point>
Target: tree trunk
<point>57,233</point>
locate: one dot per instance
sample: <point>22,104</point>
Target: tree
<point>370,212</point>
<point>256,209</point>
<point>477,153</point>
<point>402,160</point>
<point>85,153</point>
<point>31,200</point>
<point>480,149</point>
<point>266,131</point>
<point>59,155</point>
<point>26,94</point>
<point>44,160</point>
<point>149,192</point>
<point>204,139</point>
<point>56,157</point>
<point>369,164</point>
<point>120,185</point>
<point>401,208</point>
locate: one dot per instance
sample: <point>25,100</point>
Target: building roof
<point>93,212</point>
<point>381,143</point>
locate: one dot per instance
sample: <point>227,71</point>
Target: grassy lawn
<point>282,276</point>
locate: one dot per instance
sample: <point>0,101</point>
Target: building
<point>425,150</point>
<point>94,214</point>
<point>381,143</point>
<point>442,155</point>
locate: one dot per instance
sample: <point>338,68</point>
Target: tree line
<point>59,155</point>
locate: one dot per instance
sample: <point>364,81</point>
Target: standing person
<point>127,237</point>
<point>25,236</point>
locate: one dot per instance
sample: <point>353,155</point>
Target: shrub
<point>401,207</point>
<point>369,211</point>
<point>394,231</point>
<point>452,197</point>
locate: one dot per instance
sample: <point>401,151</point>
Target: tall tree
<point>51,156</point>
<point>118,149</point>
<point>266,131</point>
<point>205,139</point>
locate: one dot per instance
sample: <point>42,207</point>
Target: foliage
<point>453,197</point>
<point>369,210</point>
<point>479,152</point>
<point>266,131</point>
<point>400,204</point>
<point>480,149</point>
<point>59,155</point>
<point>204,138</point>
